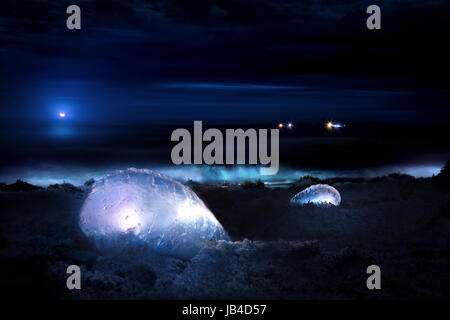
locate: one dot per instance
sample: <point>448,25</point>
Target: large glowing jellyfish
<point>145,210</point>
<point>319,194</point>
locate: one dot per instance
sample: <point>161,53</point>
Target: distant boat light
<point>331,125</point>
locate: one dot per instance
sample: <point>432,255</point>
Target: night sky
<point>152,64</point>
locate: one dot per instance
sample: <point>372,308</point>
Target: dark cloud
<point>131,46</point>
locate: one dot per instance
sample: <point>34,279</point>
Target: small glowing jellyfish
<point>139,208</point>
<point>318,194</point>
<point>62,115</point>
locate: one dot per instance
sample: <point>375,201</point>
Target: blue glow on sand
<point>44,175</point>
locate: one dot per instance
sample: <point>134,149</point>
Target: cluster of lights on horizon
<point>331,125</point>
<point>288,125</point>
<point>328,125</point>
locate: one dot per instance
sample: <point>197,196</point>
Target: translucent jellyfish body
<point>138,209</point>
<point>318,194</point>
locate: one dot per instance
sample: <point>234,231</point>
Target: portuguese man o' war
<point>140,209</point>
<point>318,194</point>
